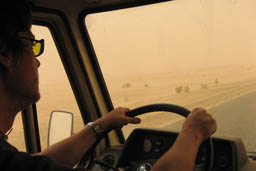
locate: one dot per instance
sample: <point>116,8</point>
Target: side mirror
<point>60,126</point>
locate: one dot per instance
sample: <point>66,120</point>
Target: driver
<point>19,89</point>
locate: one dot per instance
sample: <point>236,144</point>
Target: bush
<point>204,86</point>
<point>127,85</point>
<point>179,89</point>
<point>216,81</point>
<point>186,89</point>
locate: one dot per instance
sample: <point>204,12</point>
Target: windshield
<point>193,53</point>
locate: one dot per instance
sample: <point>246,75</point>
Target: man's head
<point>18,65</point>
<point>15,17</point>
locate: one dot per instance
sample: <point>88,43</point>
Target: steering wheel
<point>158,108</point>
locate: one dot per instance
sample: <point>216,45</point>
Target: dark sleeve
<point>20,161</point>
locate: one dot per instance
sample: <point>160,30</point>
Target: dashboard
<point>144,146</point>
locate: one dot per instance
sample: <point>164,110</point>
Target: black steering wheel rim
<point>157,108</point>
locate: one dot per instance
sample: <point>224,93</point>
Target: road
<point>236,118</point>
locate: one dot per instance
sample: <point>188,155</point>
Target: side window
<point>55,89</point>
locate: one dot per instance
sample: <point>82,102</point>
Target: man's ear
<point>5,62</point>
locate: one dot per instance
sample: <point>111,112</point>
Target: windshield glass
<point>192,53</point>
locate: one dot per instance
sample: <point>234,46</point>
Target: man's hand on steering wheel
<point>198,127</point>
<point>200,124</point>
<point>116,119</point>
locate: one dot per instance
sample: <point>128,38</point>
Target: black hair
<point>15,17</point>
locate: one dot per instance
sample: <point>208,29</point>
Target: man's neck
<point>10,105</point>
<point>6,123</point>
<point>8,112</point>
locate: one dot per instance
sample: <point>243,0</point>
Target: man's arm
<point>181,157</point>
<point>70,151</point>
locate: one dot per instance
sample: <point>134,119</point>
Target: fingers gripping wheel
<point>178,110</point>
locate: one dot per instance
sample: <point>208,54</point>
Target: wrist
<point>195,135</point>
<point>97,129</point>
<point>103,124</point>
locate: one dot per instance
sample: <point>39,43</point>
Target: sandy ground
<point>161,88</point>
<point>204,91</point>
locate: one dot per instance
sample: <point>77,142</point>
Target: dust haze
<point>186,52</point>
<point>173,36</point>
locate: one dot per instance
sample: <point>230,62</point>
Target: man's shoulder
<point>11,159</point>
<point>5,146</point>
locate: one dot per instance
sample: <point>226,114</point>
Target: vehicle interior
<point>161,59</point>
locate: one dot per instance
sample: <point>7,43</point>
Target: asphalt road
<point>236,118</point>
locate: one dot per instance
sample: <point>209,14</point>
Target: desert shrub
<point>204,86</point>
<point>127,85</point>
<point>216,81</point>
<point>146,85</point>
<point>179,89</point>
<point>186,89</point>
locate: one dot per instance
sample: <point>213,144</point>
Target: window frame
<point>31,129</point>
<point>30,122</point>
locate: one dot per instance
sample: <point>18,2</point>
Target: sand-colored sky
<point>182,34</point>
<point>178,35</point>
